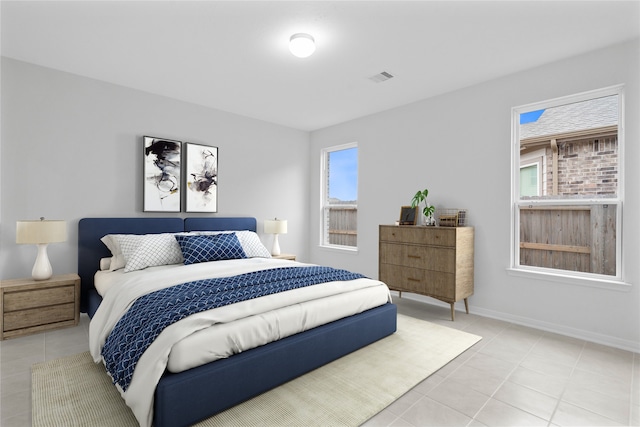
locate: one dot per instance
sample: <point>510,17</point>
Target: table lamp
<point>275,226</point>
<point>41,232</point>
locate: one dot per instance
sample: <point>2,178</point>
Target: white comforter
<point>243,325</point>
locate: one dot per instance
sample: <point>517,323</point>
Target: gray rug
<point>73,391</point>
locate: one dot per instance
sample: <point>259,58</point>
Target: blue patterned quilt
<point>153,312</point>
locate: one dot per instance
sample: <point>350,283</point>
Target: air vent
<point>381,77</point>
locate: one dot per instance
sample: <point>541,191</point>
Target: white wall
<point>458,146</point>
<point>72,148</point>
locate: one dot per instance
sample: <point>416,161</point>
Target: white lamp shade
<point>275,226</point>
<point>41,231</point>
<point>302,45</point>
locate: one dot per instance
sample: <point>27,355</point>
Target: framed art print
<point>201,177</point>
<point>408,215</point>
<point>162,163</point>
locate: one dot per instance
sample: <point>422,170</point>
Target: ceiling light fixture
<point>302,45</point>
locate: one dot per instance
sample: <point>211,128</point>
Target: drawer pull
<point>411,279</point>
<point>414,256</point>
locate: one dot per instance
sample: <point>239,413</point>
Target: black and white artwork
<point>162,174</point>
<point>202,178</point>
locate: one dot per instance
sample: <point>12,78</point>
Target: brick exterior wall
<point>585,167</point>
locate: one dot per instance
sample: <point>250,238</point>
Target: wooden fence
<point>343,226</point>
<point>575,238</point>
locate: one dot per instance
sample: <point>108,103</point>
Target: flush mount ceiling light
<point>302,45</point>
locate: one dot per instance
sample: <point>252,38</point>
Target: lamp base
<point>275,250</point>
<point>42,268</point>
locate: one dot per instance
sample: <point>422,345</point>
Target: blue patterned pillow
<point>209,247</point>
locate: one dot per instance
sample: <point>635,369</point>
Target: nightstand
<point>290,257</point>
<point>29,306</point>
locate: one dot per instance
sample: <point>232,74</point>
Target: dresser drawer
<point>436,236</point>
<point>397,281</point>
<point>416,280</point>
<point>34,298</point>
<point>425,257</point>
<point>431,261</point>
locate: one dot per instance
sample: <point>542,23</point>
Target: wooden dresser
<point>29,306</point>
<point>431,261</point>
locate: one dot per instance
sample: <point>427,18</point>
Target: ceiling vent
<point>381,77</point>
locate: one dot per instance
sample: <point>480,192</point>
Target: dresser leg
<point>466,305</point>
<point>453,311</point>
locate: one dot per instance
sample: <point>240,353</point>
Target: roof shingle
<point>594,113</point>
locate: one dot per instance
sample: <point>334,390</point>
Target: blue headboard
<point>91,249</point>
<point>220,224</point>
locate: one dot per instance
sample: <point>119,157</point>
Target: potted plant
<point>421,196</point>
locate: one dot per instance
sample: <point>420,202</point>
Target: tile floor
<point>16,357</point>
<point>519,376</point>
<point>515,376</point>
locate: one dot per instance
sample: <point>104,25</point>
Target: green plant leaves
<point>421,196</point>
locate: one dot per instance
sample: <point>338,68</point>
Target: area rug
<point>74,391</point>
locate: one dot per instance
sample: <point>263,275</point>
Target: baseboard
<point>541,325</point>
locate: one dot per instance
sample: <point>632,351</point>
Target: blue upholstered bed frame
<point>188,397</point>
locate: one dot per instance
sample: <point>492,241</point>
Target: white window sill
<point>342,249</point>
<point>592,282</point>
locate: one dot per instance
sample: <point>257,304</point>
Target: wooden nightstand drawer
<point>28,306</point>
<point>38,298</point>
<point>38,316</point>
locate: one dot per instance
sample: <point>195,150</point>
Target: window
<point>567,188</point>
<point>531,173</point>
<point>339,215</point>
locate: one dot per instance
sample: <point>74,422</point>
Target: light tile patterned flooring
<point>515,376</point>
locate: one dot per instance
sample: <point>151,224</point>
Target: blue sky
<point>531,116</point>
<point>343,174</point>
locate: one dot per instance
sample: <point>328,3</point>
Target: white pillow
<point>117,260</point>
<point>147,250</point>
<point>105,263</point>
<point>253,247</point>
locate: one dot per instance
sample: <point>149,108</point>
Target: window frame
<point>558,275</point>
<point>324,197</point>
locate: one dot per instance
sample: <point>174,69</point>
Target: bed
<point>191,395</point>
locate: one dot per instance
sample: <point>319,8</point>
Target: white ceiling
<point>233,55</point>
